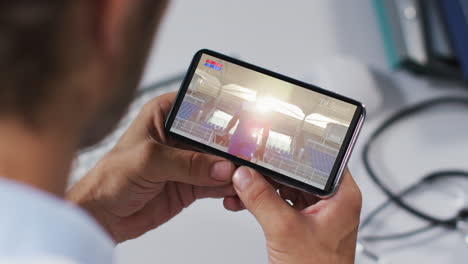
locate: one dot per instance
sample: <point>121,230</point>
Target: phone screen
<point>289,129</point>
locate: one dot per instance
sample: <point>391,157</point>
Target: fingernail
<point>242,178</point>
<point>221,171</point>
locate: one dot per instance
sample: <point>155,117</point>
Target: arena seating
<point>187,109</point>
<point>197,131</point>
<point>319,160</point>
<point>285,162</point>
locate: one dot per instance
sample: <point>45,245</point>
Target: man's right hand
<point>310,231</point>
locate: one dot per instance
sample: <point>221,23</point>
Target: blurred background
<point>387,53</point>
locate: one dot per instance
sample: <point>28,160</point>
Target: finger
<point>294,196</point>
<point>165,163</point>
<point>182,145</point>
<point>213,192</point>
<point>159,109</point>
<point>233,203</point>
<point>273,183</point>
<point>304,202</point>
<point>166,101</point>
<point>288,193</point>
<point>300,199</point>
<point>342,207</point>
<point>150,121</point>
<point>163,103</point>
<point>261,199</point>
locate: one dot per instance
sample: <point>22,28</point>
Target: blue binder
<point>455,14</point>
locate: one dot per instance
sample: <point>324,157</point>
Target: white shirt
<point>36,227</point>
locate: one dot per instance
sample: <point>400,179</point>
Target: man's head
<point>73,63</point>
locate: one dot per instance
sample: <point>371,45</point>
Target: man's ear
<point>97,34</point>
<point>108,23</point>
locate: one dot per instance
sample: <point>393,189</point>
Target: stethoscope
<point>458,222</point>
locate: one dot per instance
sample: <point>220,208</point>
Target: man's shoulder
<point>38,224</point>
<point>43,260</point>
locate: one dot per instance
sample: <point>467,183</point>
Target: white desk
<point>288,36</point>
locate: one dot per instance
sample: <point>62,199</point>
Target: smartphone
<point>296,133</point>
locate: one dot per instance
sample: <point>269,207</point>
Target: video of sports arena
<point>264,120</point>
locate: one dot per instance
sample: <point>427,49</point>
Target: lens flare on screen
<point>265,105</point>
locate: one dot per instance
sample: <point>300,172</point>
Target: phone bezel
<point>343,154</point>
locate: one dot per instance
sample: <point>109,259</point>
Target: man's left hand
<point>147,178</point>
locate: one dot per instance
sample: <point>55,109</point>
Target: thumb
<point>261,199</point>
<point>164,163</point>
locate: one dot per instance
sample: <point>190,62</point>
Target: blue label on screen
<point>213,66</point>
